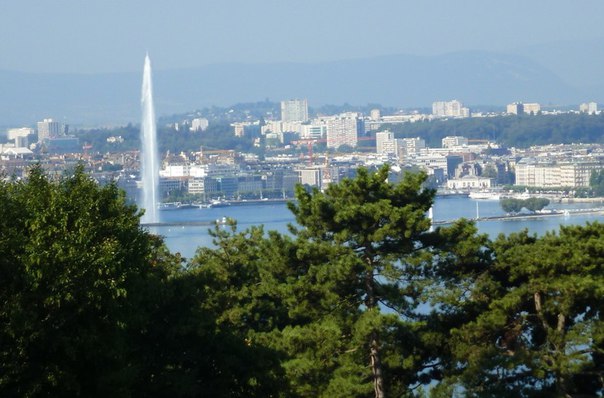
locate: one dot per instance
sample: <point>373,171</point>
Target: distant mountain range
<point>475,78</point>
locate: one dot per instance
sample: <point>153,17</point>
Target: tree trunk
<point>374,347</point>
<point>376,367</point>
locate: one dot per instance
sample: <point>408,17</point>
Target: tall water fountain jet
<point>149,156</point>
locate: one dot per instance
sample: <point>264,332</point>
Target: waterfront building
<point>470,182</point>
<point>312,176</point>
<point>294,110</point>
<point>202,186</point>
<point>572,173</point>
<point>168,185</point>
<point>250,184</point>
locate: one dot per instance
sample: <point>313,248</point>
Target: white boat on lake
<point>485,195</point>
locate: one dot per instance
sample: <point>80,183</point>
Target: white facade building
<point>470,182</point>
<point>516,108</point>
<point>385,143</point>
<point>48,128</point>
<point>199,124</point>
<point>572,174</point>
<point>532,108</point>
<point>343,130</point>
<point>411,146</point>
<point>454,141</point>
<point>12,134</point>
<point>310,176</point>
<point>589,108</point>
<point>450,109</point>
<point>314,130</point>
<point>294,110</point>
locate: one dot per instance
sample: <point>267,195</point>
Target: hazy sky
<point>113,35</point>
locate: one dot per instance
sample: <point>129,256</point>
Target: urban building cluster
<point>459,164</point>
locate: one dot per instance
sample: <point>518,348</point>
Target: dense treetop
<point>364,298</point>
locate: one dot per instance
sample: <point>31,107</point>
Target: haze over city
<point>82,61</point>
<point>112,36</point>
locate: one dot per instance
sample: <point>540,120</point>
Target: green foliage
<point>513,205</point>
<point>362,299</point>
<point>93,305</point>
<point>596,182</point>
<point>539,332</point>
<point>511,131</point>
<point>217,136</point>
<point>340,300</point>
<point>535,204</point>
<point>73,258</point>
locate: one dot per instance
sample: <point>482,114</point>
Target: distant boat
<point>484,195</point>
<point>524,195</point>
<point>219,203</point>
<point>174,206</point>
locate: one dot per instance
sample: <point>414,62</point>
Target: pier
<point>531,216</point>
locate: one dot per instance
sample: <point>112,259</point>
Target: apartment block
<point>449,109</point>
<point>294,110</point>
<point>573,173</point>
<point>454,141</point>
<point>343,130</point>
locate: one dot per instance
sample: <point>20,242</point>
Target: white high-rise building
<point>516,108</point>
<point>589,108</point>
<point>450,109</point>
<point>343,130</point>
<point>294,110</point>
<point>385,143</point>
<point>48,128</point>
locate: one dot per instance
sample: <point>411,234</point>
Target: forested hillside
<point>512,131</point>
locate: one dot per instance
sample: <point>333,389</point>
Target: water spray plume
<point>149,154</point>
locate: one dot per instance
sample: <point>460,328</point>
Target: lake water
<point>186,239</point>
